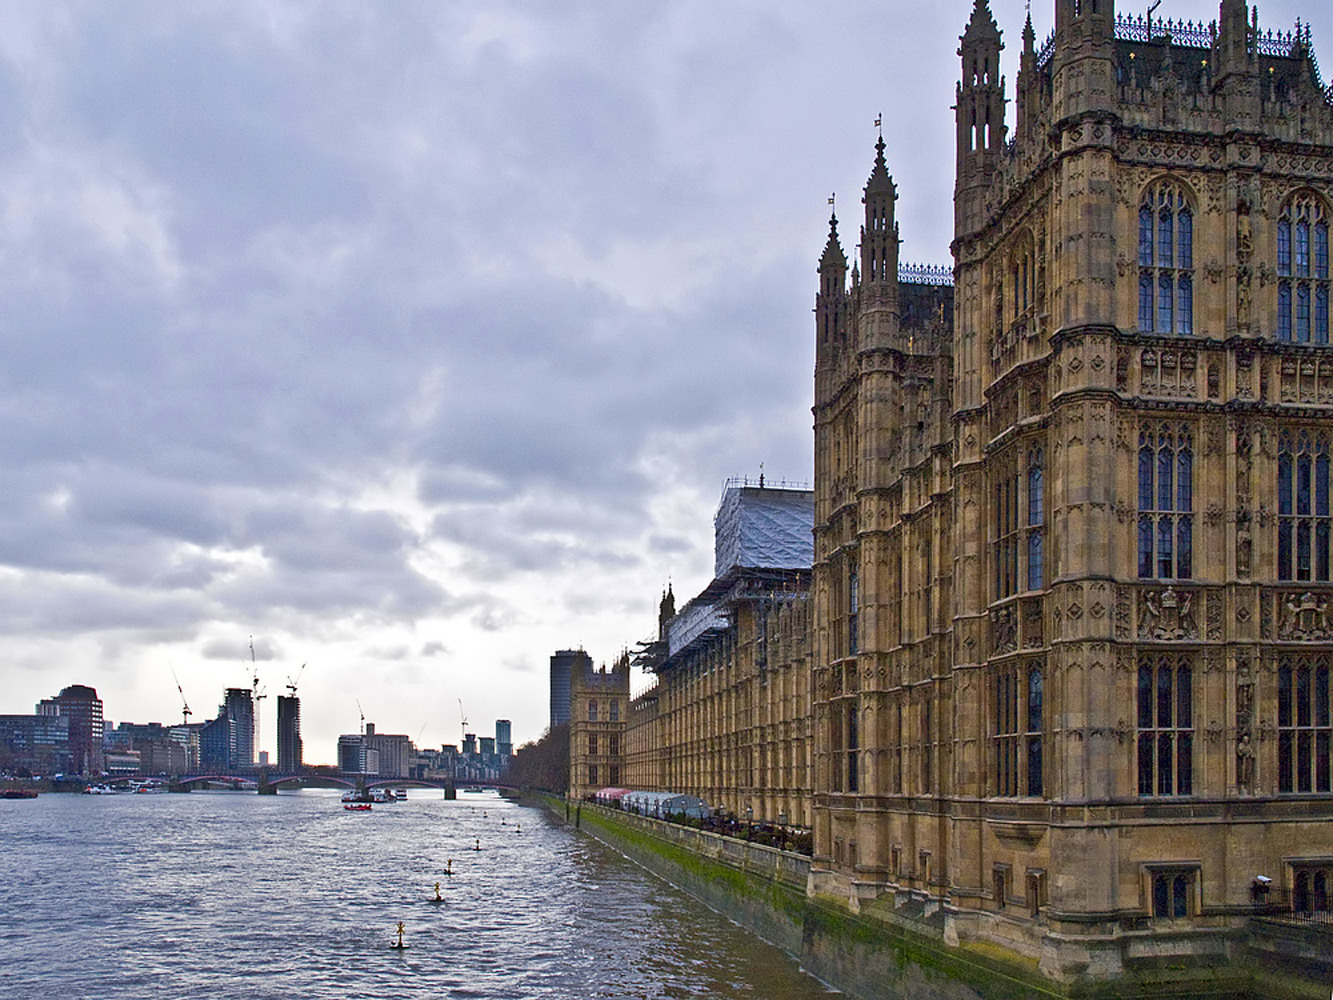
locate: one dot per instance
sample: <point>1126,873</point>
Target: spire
<point>879,233</point>
<point>1029,36</point>
<point>833,255</point>
<point>880,182</point>
<point>979,109</point>
<point>981,23</point>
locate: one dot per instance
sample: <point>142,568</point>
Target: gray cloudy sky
<point>416,340</point>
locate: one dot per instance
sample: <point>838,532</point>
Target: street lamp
<point>749,822</point>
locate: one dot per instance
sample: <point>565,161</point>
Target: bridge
<point>268,781</point>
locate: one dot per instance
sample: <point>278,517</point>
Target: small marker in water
<point>398,945</point>
<point>478,847</point>
<point>438,898</point>
<point>449,867</point>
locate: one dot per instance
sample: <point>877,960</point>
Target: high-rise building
<point>214,738</point>
<point>563,665</point>
<point>80,704</point>
<point>504,740</point>
<point>352,753</point>
<point>38,742</point>
<point>289,733</point>
<point>1072,560</point>
<point>239,706</point>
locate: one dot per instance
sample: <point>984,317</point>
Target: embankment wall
<point>895,948</point>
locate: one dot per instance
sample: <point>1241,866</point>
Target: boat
<point>18,793</point>
<point>101,790</point>
<point>357,807</point>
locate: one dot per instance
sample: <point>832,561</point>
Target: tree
<point>544,764</point>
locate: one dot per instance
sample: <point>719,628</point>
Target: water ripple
<point>233,895</point>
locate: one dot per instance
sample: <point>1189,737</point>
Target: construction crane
<point>291,681</point>
<point>363,716</point>
<point>464,718</point>
<point>185,705</point>
<point>256,696</point>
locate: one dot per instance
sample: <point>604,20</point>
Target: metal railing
<point>925,274</point>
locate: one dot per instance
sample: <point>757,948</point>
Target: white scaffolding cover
<point>754,528</point>
<point>758,528</point>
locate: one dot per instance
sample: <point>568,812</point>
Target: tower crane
<point>291,681</point>
<point>256,695</point>
<point>363,716</point>
<point>464,718</point>
<point>185,705</point>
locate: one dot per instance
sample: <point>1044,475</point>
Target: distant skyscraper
<point>504,740</point>
<point>80,704</point>
<point>215,744</point>
<point>240,708</point>
<point>352,753</point>
<point>289,733</point>
<point>563,662</point>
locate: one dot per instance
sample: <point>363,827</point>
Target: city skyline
<point>420,347</point>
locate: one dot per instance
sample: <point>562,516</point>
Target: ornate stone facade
<point>598,712</point>
<point>729,716</point>
<point>1072,599</point>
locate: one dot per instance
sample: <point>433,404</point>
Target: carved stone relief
<point>1244,726</point>
<point>1122,614</point>
<point>1244,384</point>
<point>1167,615</point>
<point>1213,623</point>
<point>1004,632</point>
<point>1304,617</point>
<point>1244,251</point>
<point>1032,624</point>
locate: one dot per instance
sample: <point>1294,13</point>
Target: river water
<point>234,895</point>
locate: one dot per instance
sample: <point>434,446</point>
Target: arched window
<point>1166,503</point>
<point>592,711</point>
<point>1304,517</point>
<point>1036,519</point>
<point>1166,260</point>
<point>1304,725</point>
<point>1017,726</point>
<point>1018,523</point>
<point>1302,269</point>
<point>1166,726</point>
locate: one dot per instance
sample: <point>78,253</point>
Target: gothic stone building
<point>1073,602</point>
<point>598,703</point>
<point>728,716</point>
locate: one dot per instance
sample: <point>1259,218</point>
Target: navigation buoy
<point>503,821</point>
<point>398,945</point>
<point>438,898</point>
<point>449,867</point>
<point>478,847</point>
<point>518,827</point>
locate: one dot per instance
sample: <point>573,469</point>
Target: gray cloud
<point>417,330</point>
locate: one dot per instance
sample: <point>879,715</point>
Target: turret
<point>979,111</point>
<point>980,107</point>
<point>879,232</point>
<point>1084,60</point>
<point>665,612</point>
<point>830,303</point>
<point>1025,102</point>
<point>879,257</point>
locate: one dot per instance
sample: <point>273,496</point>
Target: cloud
<point>416,340</point>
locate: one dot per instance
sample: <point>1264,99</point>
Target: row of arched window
<point>1165,527</point>
<point>1166,264</point>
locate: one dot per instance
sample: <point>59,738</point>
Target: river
<point>236,895</point>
